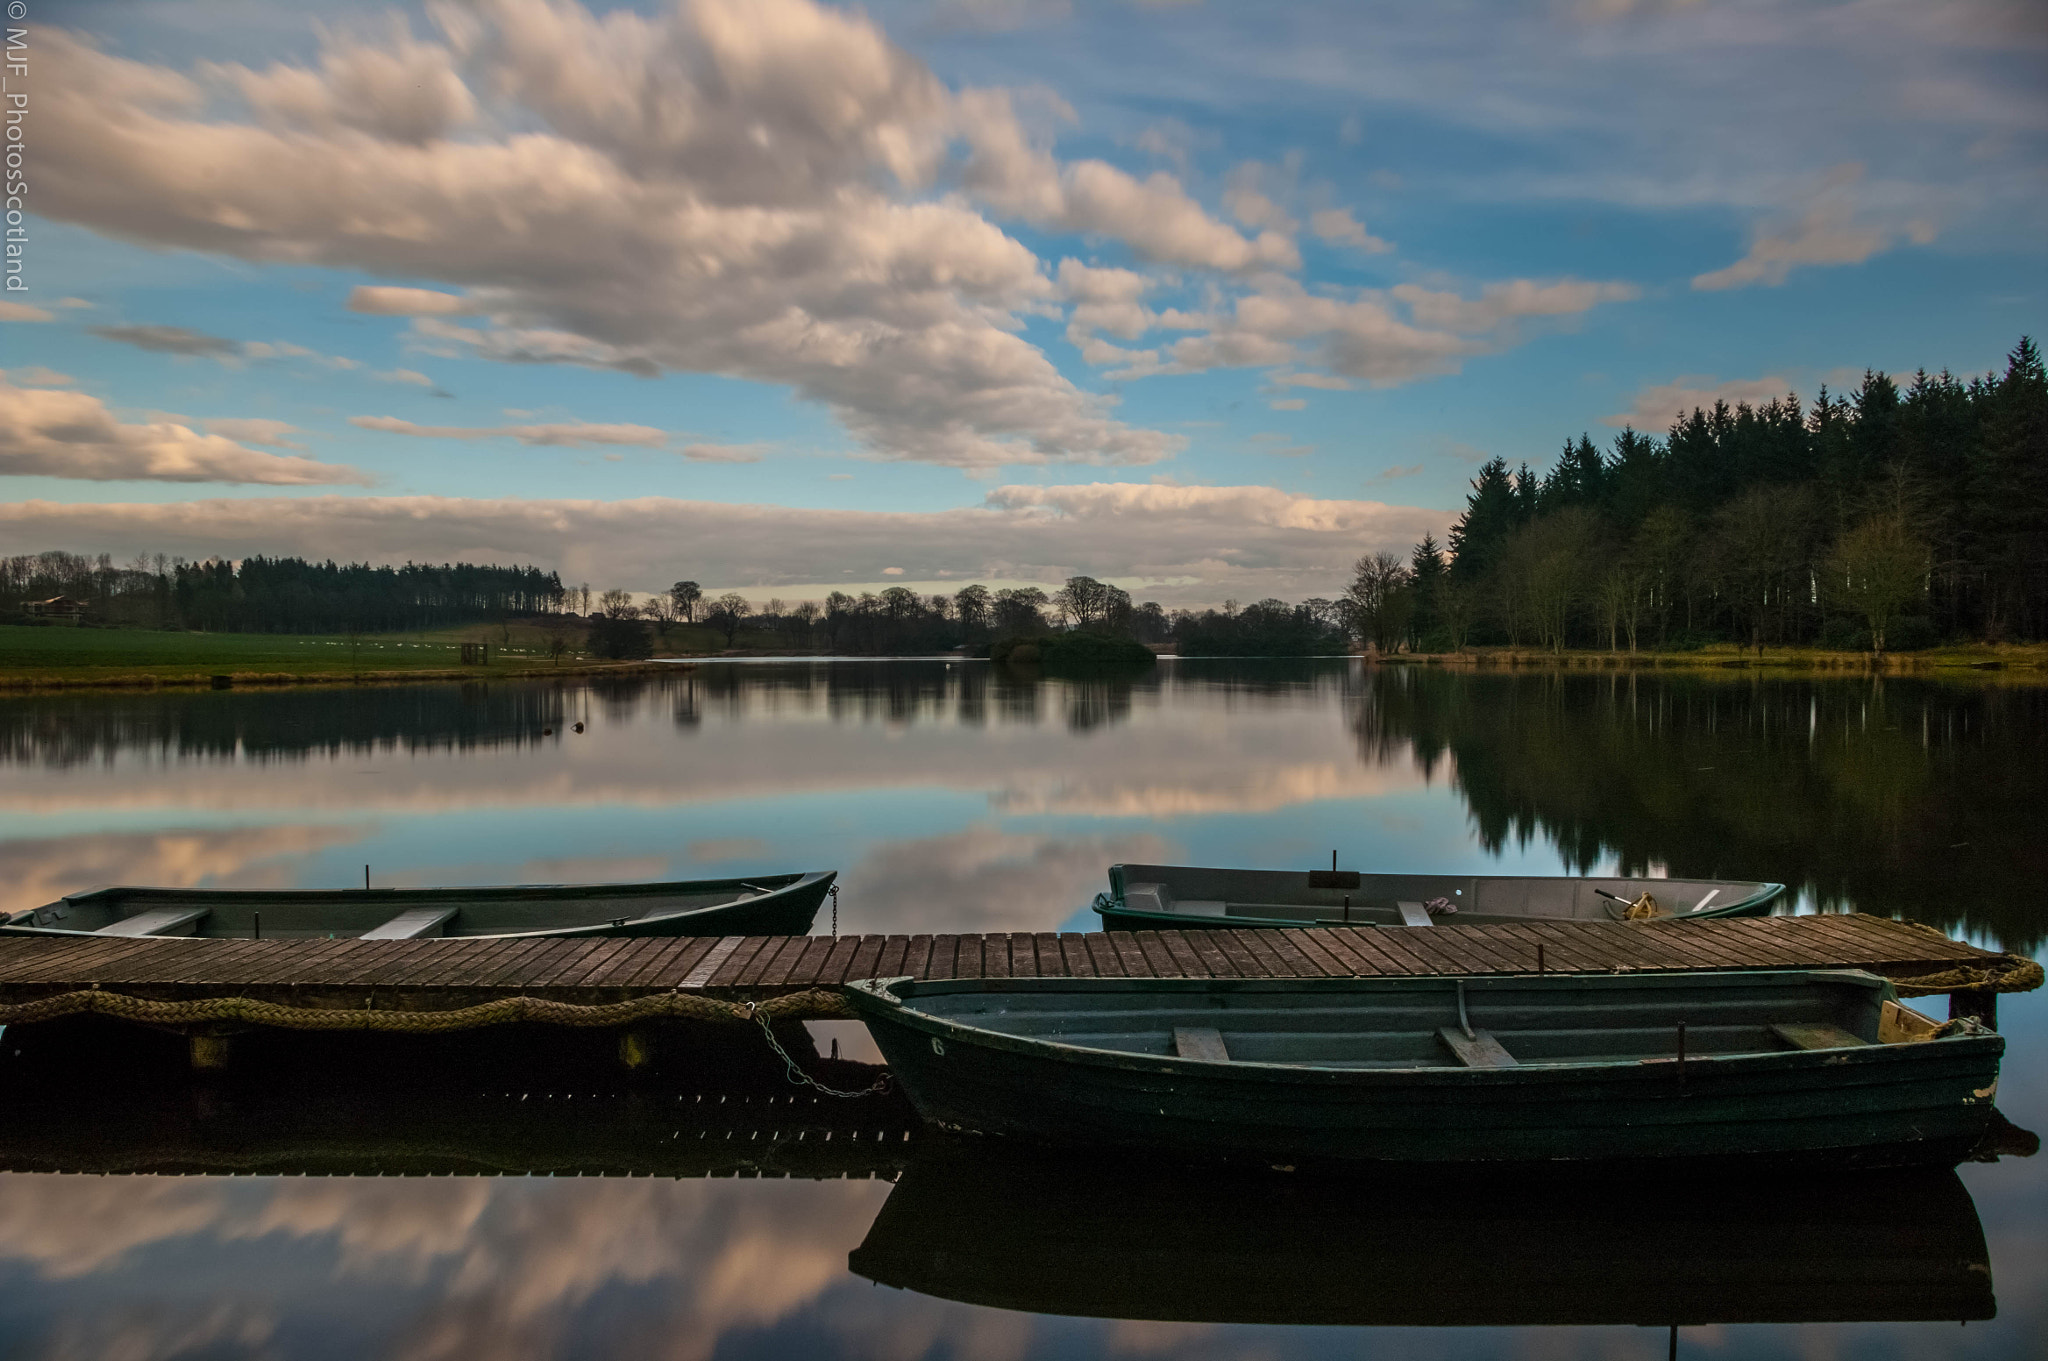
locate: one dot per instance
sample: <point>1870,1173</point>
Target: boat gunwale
<point>877,996</point>
<point>1114,904</point>
<point>21,923</point>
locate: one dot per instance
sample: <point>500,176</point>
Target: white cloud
<point>21,311</point>
<point>1365,337</point>
<point>1244,541</point>
<point>1340,228</point>
<point>407,302</point>
<point>36,376</point>
<point>1169,140</point>
<point>285,349</point>
<point>1827,232</point>
<point>255,430</point>
<point>408,92</point>
<point>1655,408</point>
<point>1500,303</point>
<point>54,433</point>
<point>561,433</point>
<point>1154,216</point>
<point>178,340</point>
<point>718,189</point>
<point>1289,404</point>
<point>191,344</point>
<point>1327,381</point>
<point>411,376</point>
<point>1256,211</point>
<point>724,453</point>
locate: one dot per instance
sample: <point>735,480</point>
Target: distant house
<point>58,608</point>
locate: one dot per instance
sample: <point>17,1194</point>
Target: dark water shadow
<point>1124,1240</point>
<point>92,1096</point>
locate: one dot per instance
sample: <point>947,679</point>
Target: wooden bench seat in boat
<point>1200,1042</point>
<point>414,925</point>
<point>162,921</point>
<point>1817,1037</point>
<point>1481,1051</point>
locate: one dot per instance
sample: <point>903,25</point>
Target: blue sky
<point>1206,299</point>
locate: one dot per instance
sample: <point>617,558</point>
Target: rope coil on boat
<point>814,1004</point>
<point>2011,973</point>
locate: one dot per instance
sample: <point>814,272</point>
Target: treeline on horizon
<point>900,620</point>
<point>1886,519</point>
<point>277,595</point>
<point>292,595</point>
<point>1889,518</point>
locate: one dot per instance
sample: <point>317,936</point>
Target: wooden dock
<point>445,975</point>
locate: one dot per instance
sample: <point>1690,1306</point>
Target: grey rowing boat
<point>764,905</point>
<point>1149,897</point>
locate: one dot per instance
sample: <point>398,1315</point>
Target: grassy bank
<point>1981,657</point>
<point>32,658</point>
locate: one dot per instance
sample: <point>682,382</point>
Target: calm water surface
<point>954,799</point>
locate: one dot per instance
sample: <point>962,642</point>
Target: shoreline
<point>1984,660</point>
<point>2021,662</point>
<point>138,679</point>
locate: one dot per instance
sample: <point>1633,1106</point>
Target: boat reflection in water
<point>1114,1240</point>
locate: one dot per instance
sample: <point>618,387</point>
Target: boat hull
<point>1874,1106</point>
<point>766,905</point>
<point>1155,897</point>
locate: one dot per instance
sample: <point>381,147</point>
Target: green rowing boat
<point>1149,897</point>
<point>765,905</point>
<point>1792,1065</point>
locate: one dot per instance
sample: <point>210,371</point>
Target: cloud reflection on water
<point>494,1267</point>
<point>38,870</point>
<point>990,880</point>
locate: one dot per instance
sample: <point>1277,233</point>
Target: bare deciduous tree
<point>727,613</point>
<point>973,605</point>
<point>1377,603</point>
<point>1877,569</point>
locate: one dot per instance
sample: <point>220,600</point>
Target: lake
<point>955,798</point>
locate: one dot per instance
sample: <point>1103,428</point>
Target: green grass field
<point>86,656</point>
<point>75,655</point>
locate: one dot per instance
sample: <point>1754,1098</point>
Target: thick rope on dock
<point>815,1004</point>
<point>2012,973</point>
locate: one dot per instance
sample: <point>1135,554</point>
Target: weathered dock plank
<point>438,974</point>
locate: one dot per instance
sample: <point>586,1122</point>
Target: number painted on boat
<point>938,1046</point>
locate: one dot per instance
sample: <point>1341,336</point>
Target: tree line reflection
<point>72,729</point>
<point>1915,798</point>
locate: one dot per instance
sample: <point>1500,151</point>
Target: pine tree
<point>2010,495</point>
<point>1426,576</point>
<point>1490,516</point>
